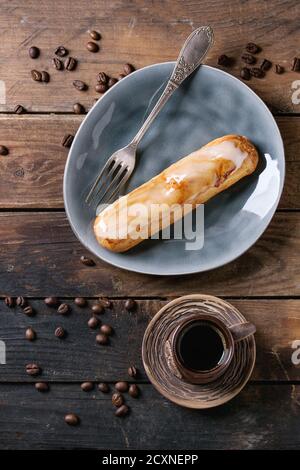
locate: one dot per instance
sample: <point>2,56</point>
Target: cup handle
<point>242,330</point>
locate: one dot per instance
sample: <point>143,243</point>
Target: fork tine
<point>121,183</point>
<point>97,191</point>
<point>111,189</point>
<point>91,194</point>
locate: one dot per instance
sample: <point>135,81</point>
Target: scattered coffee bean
<point>103,387</point>
<point>34,52</point>
<point>97,308</point>
<point>70,64</point>
<point>111,82</point>
<point>87,261</point>
<point>45,76</point>
<point>57,63</point>
<point>61,51</point>
<point>102,77</point>
<point>87,386</point>
<point>121,75</point>
<point>36,75</point>
<point>51,301</point>
<point>130,305</point>
<point>266,65</point>
<point>21,302</point>
<point>78,108</point>
<point>248,58</point>
<point>101,88</point>
<point>252,48</point>
<point>30,334</point>
<point>122,411</point>
<point>121,387</point>
<point>28,311</point>
<point>60,332</point>
<point>134,391</point>
<point>132,371</point>
<point>9,302</point>
<point>42,386</point>
<point>257,72</point>
<point>224,60</point>
<point>245,73</point>
<point>105,303</point>
<point>128,68</point>
<point>93,322</point>
<point>102,339</point>
<point>92,46</point>
<point>296,65</point>
<point>80,85</point>
<point>95,35</point>
<point>19,109</point>
<point>279,69</point>
<point>117,399</point>
<point>80,302</point>
<point>106,330</point>
<point>63,309</point>
<point>3,150</point>
<point>67,140</point>
<point>72,419</point>
<point>33,369</point>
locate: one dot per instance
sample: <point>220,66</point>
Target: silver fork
<point>120,165</point>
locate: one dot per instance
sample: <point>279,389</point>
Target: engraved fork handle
<point>190,57</point>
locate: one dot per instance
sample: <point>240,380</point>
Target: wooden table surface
<point>40,255</point>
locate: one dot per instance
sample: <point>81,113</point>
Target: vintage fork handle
<point>190,57</point>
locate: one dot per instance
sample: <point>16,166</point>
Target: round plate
<point>210,104</point>
<point>158,366</point>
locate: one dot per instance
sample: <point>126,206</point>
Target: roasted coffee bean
<point>93,322</point>
<point>60,332</point>
<point>248,58</point>
<point>67,140</point>
<point>252,48</point>
<point>78,108</point>
<point>45,76</point>
<point>3,150</point>
<point>61,51</point>
<point>266,65</point>
<point>296,65</point>
<point>102,339</point>
<point>224,60</point>
<point>117,399</point>
<point>51,301</point>
<point>257,72</point>
<point>134,391</point>
<point>103,387</point>
<point>121,387</point>
<point>122,411</point>
<point>42,386</point>
<point>87,261</point>
<point>128,68</point>
<point>21,302</point>
<point>57,63</point>
<point>34,52</point>
<point>70,63</point>
<point>9,302</point>
<point>19,109</point>
<point>29,311</point>
<point>33,369</point>
<point>36,75</point>
<point>87,386</point>
<point>92,46</point>
<point>279,69</point>
<point>97,308</point>
<point>30,334</point>
<point>130,305</point>
<point>132,371</point>
<point>72,419</point>
<point>105,303</point>
<point>120,76</point>
<point>95,35</point>
<point>101,88</point>
<point>106,330</point>
<point>111,82</point>
<point>63,309</point>
<point>245,73</point>
<point>102,77</point>
<point>80,302</point>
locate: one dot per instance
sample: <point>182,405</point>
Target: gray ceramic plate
<point>210,104</point>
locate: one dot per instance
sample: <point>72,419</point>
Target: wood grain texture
<point>41,256</point>
<point>261,417</point>
<point>143,33</point>
<point>31,175</point>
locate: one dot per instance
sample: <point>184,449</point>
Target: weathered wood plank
<point>31,175</point>
<point>41,256</point>
<point>261,417</point>
<point>140,32</point>
<point>79,358</point>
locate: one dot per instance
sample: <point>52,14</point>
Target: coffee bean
<point>130,305</point>
<point>279,69</point>
<point>33,369</point>
<point>72,419</point>
<point>42,386</point>
<point>87,386</point>
<point>97,308</point>
<point>95,35</point>
<point>245,73</point>
<point>29,311</point>
<point>121,75</point>
<point>61,51</point>
<point>248,58</point>
<point>51,301</point>
<point>103,387</point>
<point>45,76</point>
<point>224,60</point>
<point>134,391</point>
<point>30,334</point>
<point>34,52</point>
<point>63,309</point>
<point>266,65</point>
<point>36,75</point>
<point>3,150</point>
<point>9,302</point>
<point>102,339</point>
<point>132,371</point>
<point>67,140</point>
<point>92,46</point>
<point>21,302</point>
<point>60,332</point>
<point>121,387</point>
<point>128,68</point>
<point>296,65</point>
<point>80,302</point>
<point>70,64</point>
<point>122,411</point>
<point>19,109</point>
<point>112,81</point>
<point>106,330</point>
<point>93,322</point>
<point>101,88</point>
<point>87,261</point>
<point>117,399</point>
<point>57,63</point>
<point>257,72</point>
<point>78,108</point>
<point>252,48</point>
<point>102,77</point>
<point>105,303</point>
